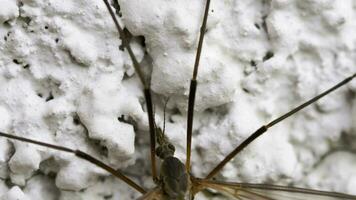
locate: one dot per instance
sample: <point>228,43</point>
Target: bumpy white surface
<point>60,61</point>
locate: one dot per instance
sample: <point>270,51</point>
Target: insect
<point>247,191</point>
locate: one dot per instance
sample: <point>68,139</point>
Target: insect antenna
<point>146,85</point>
<point>82,155</point>
<point>193,87</point>
<point>264,128</point>
<point>165,147</point>
<point>160,136</point>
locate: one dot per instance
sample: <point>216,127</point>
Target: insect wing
<point>245,191</point>
<point>154,194</point>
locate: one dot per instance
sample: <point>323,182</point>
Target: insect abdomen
<point>174,178</point>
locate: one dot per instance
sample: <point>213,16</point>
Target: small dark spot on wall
<point>107,197</point>
<point>245,90</point>
<point>121,118</point>
<point>56,40</point>
<point>50,97</point>
<point>253,63</point>
<point>268,56</point>
<point>8,183</point>
<point>126,76</point>
<point>46,27</point>
<point>121,47</point>
<point>40,95</point>
<point>16,61</point>
<point>142,40</point>
<point>76,120</point>
<point>257,26</point>
<point>7,23</point>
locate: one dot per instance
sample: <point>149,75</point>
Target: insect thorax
<point>165,148</point>
<point>174,178</point>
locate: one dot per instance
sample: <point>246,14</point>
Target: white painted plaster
<point>60,62</point>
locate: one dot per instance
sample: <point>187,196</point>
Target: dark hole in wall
<point>245,90</point>
<point>126,76</point>
<point>16,61</point>
<point>142,40</point>
<point>253,63</point>
<point>257,26</point>
<point>7,23</point>
<point>268,56</point>
<point>121,118</point>
<point>121,47</point>
<point>76,120</point>
<point>107,197</point>
<point>102,148</point>
<point>50,97</point>
<point>49,167</point>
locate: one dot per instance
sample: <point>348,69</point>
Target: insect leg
<point>81,155</point>
<point>264,128</point>
<point>146,85</point>
<point>193,87</point>
<point>164,115</point>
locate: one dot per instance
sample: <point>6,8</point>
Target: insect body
<point>175,179</point>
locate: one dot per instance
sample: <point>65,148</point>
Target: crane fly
<point>175,179</point>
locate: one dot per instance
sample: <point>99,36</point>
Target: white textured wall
<point>68,50</point>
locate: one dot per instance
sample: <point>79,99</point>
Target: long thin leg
<point>146,85</point>
<point>81,155</point>
<point>193,87</point>
<point>164,115</point>
<point>264,128</point>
